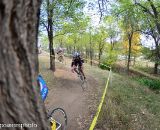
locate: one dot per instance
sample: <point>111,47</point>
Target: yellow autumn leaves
<point>135,44</point>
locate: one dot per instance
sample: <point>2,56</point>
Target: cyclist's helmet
<point>76,54</point>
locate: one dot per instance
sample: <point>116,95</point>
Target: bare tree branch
<point>153,8</point>
<point>101,13</point>
<point>43,23</point>
<point>60,34</point>
<point>70,5</point>
<point>144,8</point>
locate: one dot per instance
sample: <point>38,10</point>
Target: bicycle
<point>58,119</point>
<point>82,78</point>
<point>60,59</point>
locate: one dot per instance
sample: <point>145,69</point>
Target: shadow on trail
<point>65,91</point>
<point>68,83</point>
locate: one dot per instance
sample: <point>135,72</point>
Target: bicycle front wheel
<point>60,117</point>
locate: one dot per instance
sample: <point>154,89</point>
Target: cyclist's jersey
<point>43,87</point>
<point>77,61</point>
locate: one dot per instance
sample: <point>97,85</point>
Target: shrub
<point>108,60</point>
<point>153,84</point>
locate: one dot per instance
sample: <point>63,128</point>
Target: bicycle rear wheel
<point>84,85</point>
<point>83,81</point>
<point>61,59</point>
<point>60,117</point>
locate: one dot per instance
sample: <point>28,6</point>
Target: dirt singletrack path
<point>67,93</point>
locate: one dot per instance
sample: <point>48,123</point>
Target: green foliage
<point>128,106</point>
<point>64,11</point>
<point>149,54</point>
<point>152,84</point>
<point>109,59</point>
<point>44,42</point>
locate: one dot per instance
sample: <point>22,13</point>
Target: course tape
<point>93,124</point>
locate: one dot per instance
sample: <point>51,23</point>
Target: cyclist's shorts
<point>77,63</point>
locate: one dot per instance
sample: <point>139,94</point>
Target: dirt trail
<point>68,94</point>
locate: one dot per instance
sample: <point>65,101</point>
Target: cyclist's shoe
<point>78,75</point>
<point>81,77</point>
<point>84,78</point>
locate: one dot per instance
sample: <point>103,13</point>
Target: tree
<point>135,47</point>
<point>85,44</point>
<point>100,39</point>
<point>112,30</point>
<point>130,27</point>
<point>146,12</point>
<point>58,12</point>
<point>75,35</point>
<point>50,33</point>
<point>129,24</point>
<point>152,9</point>
<point>90,45</point>
<point>148,15</point>
<point>20,100</point>
<point>150,26</point>
<point>155,52</point>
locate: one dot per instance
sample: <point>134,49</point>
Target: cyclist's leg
<point>62,56</point>
<point>75,69</point>
<point>81,69</point>
<point>58,57</point>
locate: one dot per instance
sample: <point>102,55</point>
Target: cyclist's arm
<point>82,60</point>
<point>72,63</point>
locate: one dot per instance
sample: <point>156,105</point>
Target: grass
<point>45,72</point>
<point>145,69</point>
<point>130,106</point>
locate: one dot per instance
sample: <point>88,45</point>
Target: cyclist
<point>77,61</point>
<point>60,54</point>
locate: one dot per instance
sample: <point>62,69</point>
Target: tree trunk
<point>156,68</point>
<point>157,58</point>
<point>50,35</point>
<point>86,56</point>
<point>74,48</point>
<point>99,56</point>
<point>52,60</point>
<point>156,15</point>
<point>20,101</point>
<point>52,54</point>
<point>129,53</point>
<point>91,55</point>
<point>134,62</point>
<point>90,51</point>
<point>61,43</point>
<point>99,53</point>
<point>112,44</point>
